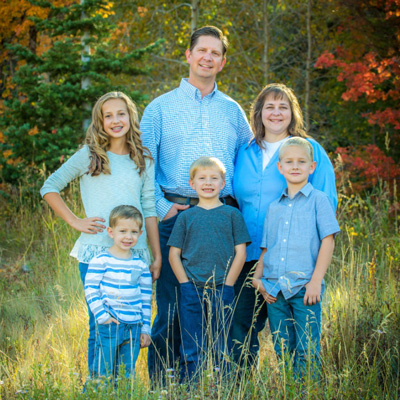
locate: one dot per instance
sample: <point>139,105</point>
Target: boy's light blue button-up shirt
<point>293,231</point>
<point>180,126</point>
<point>256,188</point>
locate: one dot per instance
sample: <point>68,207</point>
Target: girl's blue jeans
<point>205,317</point>
<point>296,330</point>
<point>83,267</point>
<point>116,345</point>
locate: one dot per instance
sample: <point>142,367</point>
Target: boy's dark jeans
<point>205,317</point>
<point>165,332</point>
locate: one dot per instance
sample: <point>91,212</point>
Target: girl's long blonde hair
<point>99,142</point>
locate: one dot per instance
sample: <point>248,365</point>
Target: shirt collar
<point>305,190</point>
<point>192,91</point>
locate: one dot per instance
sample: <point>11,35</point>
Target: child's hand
<point>313,293</point>
<point>145,340</point>
<point>260,287</point>
<point>174,210</point>
<point>111,320</point>
<point>155,269</point>
<point>88,225</point>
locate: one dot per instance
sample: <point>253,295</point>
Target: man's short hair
<point>207,162</point>
<point>125,212</point>
<point>209,31</point>
<point>300,142</point>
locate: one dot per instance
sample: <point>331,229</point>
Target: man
<point>178,127</point>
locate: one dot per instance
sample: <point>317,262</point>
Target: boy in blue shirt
<point>208,250</point>
<point>298,243</point>
<point>118,289</point>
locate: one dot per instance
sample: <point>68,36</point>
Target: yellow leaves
<point>33,131</point>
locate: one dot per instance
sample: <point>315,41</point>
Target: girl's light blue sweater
<point>100,194</point>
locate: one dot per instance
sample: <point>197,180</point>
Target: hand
<point>155,269</point>
<point>145,340</point>
<point>88,225</point>
<point>313,293</point>
<point>110,321</point>
<point>260,287</point>
<point>174,210</point>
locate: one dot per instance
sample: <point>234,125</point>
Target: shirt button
<point>284,240</point>
<point>286,222</point>
<point>282,259</point>
<point>290,205</point>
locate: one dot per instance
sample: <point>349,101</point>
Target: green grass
<point>43,317</point>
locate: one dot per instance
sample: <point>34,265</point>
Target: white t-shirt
<point>270,149</point>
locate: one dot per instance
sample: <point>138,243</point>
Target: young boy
<point>118,290</point>
<point>298,243</point>
<point>208,250</point>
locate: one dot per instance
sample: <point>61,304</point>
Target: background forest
<point>342,58</point>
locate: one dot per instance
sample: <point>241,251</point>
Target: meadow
<point>43,337</point>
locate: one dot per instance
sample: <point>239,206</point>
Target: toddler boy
<point>208,250</point>
<point>118,288</point>
<point>298,242</point>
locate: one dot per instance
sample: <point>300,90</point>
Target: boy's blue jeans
<point>83,267</point>
<point>205,317</point>
<point>296,330</point>
<point>116,345</point>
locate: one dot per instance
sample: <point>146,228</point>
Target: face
<point>125,234</point>
<point>206,58</point>
<point>115,118</point>
<point>207,182</point>
<point>276,117</point>
<point>296,165</point>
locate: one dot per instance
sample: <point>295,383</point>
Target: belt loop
<point>187,201</point>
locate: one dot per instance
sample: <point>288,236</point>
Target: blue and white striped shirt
<point>120,288</point>
<point>181,126</point>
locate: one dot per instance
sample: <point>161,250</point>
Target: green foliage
<point>42,122</point>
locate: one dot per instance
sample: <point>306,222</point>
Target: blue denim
<point>83,267</point>
<point>166,336</point>
<point>205,316</point>
<point>116,345</point>
<point>249,319</point>
<point>296,330</point>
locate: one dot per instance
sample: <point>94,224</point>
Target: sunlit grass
<point>43,316</point>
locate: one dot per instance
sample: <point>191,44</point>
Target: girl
<point>114,169</point>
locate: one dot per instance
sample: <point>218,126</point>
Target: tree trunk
<point>85,81</point>
<point>266,42</point>
<point>308,69</point>
<point>195,15</point>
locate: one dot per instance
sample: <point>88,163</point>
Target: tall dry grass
<point>43,317</point>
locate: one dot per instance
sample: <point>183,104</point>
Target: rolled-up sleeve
<point>147,196</point>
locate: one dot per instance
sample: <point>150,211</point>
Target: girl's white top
<point>100,194</point>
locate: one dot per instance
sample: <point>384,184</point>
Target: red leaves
<point>365,166</point>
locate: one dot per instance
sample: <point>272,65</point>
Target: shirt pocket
<point>303,227</point>
<point>135,275</point>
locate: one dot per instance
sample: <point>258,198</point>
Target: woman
<point>275,116</point>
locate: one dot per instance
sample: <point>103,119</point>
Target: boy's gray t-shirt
<point>208,239</point>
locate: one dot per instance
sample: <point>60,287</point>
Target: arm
<point>323,177</point>
<point>257,283</point>
<point>150,125</point>
<point>86,225</point>
<point>237,264</point>
<point>176,264</point>
<point>146,291</point>
<point>313,288</point>
<point>93,279</point>
<point>154,241</point>
<point>75,167</point>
